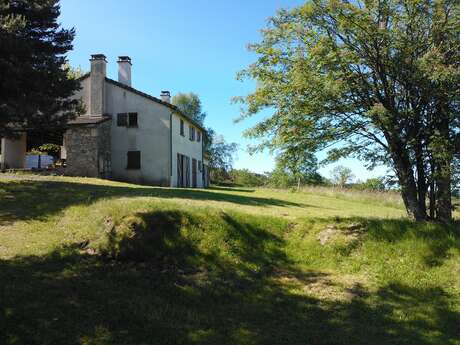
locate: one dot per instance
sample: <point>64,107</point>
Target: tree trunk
<point>422,187</point>
<point>443,163</point>
<point>409,195</point>
<point>432,192</point>
<point>444,194</point>
<point>406,179</point>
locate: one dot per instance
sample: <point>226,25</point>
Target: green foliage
<point>51,149</point>
<point>190,105</point>
<point>377,80</point>
<point>372,184</point>
<point>284,177</point>
<point>35,86</point>
<point>341,176</point>
<point>73,72</point>
<point>220,156</point>
<point>246,178</point>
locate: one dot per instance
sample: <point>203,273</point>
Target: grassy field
<point>87,261</point>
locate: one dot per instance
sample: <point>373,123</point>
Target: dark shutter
<point>179,170</point>
<point>194,173</point>
<point>134,160</point>
<point>181,127</point>
<point>122,120</point>
<point>132,119</point>
<point>198,136</point>
<point>187,171</point>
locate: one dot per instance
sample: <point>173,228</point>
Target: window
<point>181,127</point>
<point>134,160</point>
<point>192,133</point>
<point>132,120</point>
<point>200,169</point>
<point>198,136</point>
<point>127,120</point>
<point>122,120</point>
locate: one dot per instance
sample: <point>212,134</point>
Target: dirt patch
<point>323,286</point>
<point>349,233</point>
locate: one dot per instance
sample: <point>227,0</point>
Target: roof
<point>89,120</point>
<point>157,100</point>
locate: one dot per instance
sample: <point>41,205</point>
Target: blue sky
<point>183,46</point>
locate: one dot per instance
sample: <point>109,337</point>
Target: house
<point>125,134</point>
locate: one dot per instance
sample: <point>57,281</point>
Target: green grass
<point>87,261</point>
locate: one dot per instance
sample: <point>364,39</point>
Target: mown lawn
<point>87,261</point>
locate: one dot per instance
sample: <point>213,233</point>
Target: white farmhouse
<point>125,135</point>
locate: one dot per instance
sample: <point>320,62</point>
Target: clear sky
<point>183,46</point>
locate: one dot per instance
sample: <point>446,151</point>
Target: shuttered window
<point>182,127</point>
<point>134,160</point>
<point>198,136</point>
<point>122,120</point>
<point>132,120</point>
<point>127,120</point>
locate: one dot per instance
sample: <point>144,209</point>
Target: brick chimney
<point>97,85</point>
<point>124,70</point>
<point>165,96</point>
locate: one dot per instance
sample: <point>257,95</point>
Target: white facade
<point>156,137</point>
<point>150,137</point>
<point>181,144</point>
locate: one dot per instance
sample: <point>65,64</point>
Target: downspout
<point>170,149</point>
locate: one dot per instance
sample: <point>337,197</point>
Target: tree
<point>302,164</point>
<point>220,155</point>
<point>377,80</point>
<point>289,172</point>
<point>190,105</point>
<point>244,177</point>
<point>35,86</point>
<point>374,184</point>
<point>341,176</point>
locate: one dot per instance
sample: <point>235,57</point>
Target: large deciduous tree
<point>375,79</point>
<point>35,83</point>
<point>190,105</point>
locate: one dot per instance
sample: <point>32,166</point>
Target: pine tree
<point>35,85</point>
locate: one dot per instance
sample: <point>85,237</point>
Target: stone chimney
<point>124,70</point>
<point>97,85</point>
<point>165,96</point>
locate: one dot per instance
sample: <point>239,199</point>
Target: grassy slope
<point>85,261</point>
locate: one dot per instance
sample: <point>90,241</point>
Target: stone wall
<point>88,150</point>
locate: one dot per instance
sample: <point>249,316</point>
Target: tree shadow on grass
<point>34,199</point>
<point>232,189</point>
<point>155,283</point>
